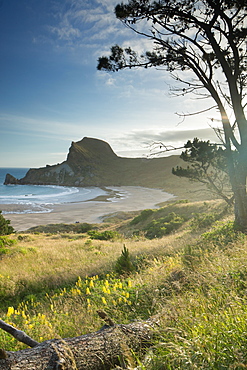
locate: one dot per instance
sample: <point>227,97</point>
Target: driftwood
<point>111,346</point>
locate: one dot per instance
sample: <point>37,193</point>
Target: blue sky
<point>52,94</point>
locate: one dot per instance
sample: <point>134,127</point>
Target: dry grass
<point>52,260</point>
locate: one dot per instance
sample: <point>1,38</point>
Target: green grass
<point>194,279</point>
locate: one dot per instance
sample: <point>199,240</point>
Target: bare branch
<point>18,334</point>
<point>195,113</point>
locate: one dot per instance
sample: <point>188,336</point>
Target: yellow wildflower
<point>79,282</point>
<point>23,314</point>
<point>91,284</point>
<point>10,311</point>
<point>107,283</point>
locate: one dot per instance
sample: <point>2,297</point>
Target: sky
<point>52,93</point>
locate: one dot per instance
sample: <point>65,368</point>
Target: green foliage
<point>124,266</point>
<point>103,235</point>
<point>143,216</point>
<point>223,234</point>
<point>5,244</point>
<point>208,165</point>
<point>62,228</point>
<point>5,228</point>
<point>203,220</point>
<point>163,226</point>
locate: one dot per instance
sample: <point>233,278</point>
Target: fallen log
<point>111,346</point>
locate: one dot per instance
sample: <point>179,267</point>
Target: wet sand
<point>133,198</point>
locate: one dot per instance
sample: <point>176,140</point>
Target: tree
<point>112,346</point>
<point>208,165</point>
<point>5,228</point>
<point>203,46</point>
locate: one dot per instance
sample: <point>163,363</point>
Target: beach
<point>129,198</point>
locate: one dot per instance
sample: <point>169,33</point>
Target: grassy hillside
<point>194,276</point>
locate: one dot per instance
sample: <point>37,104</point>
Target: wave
<point>20,199</point>
<point>36,193</point>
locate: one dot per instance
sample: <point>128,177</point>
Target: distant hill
<point>92,162</point>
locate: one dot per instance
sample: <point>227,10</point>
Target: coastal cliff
<point>92,162</point>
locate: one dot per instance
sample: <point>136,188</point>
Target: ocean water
<point>40,198</point>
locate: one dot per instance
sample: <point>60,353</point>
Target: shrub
<point>5,228</point>
<point>142,216</point>
<point>5,243</point>
<point>104,235</point>
<point>163,226</point>
<point>223,234</point>
<point>203,220</point>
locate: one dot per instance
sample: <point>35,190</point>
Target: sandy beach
<point>134,198</point>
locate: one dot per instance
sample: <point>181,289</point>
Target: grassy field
<point>184,262</point>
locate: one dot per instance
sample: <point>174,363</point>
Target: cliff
<point>92,162</point>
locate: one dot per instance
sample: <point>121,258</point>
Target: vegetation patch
<point>124,266</point>
<point>222,235</point>
<point>163,226</point>
<point>103,235</point>
<point>5,245</point>
<point>5,227</point>
<point>62,228</point>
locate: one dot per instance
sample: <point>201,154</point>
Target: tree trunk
<point>105,349</point>
<point>240,197</point>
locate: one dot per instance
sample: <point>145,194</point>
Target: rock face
<point>92,162</point>
<point>9,179</point>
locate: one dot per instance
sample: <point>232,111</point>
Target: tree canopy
<point>207,163</point>
<point>203,45</point>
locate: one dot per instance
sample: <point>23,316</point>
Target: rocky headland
<point>92,162</point>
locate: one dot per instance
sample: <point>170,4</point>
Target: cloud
<point>146,142</point>
<point>171,136</point>
<point>85,20</point>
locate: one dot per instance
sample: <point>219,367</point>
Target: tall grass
<point>195,280</point>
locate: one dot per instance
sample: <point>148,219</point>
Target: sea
<point>40,198</point>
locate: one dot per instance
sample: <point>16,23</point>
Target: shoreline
<point>134,198</point>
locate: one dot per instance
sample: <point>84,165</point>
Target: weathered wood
<point>18,334</point>
<point>102,350</point>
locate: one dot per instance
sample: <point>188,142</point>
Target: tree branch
<point>109,347</point>
<point>18,334</point>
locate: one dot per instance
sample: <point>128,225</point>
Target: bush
<point>5,243</point>
<point>142,216</point>
<point>5,228</point>
<point>104,235</point>
<point>163,226</point>
<point>78,228</point>
<point>203,220</point>
<point>223,235</point>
